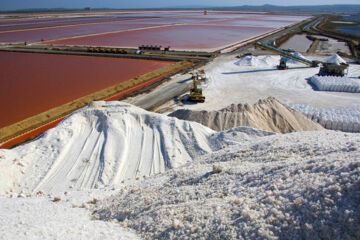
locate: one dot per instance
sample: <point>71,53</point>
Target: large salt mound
<point>258,61</point>
<point>335,59</point>
<point>106,143</point>
<point>292,186</point>
<point>267,115</point>
<point>296,54</point>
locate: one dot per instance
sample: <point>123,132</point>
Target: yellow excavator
<point>195,92</point>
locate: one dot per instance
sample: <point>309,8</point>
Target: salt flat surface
<point>41,218</point>
<point>252,78</point>
<point>331,46</point>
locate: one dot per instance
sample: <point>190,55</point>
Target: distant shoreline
<point>307,9</point>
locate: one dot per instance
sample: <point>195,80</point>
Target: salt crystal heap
<point>258,61</point>
<point>296,54</point>
<point>335,59</point>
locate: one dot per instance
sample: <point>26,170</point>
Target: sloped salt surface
<point>292,186</point>
<point>268,115</point>
<point>335,84</point>
<point>344,119</point>
<point>335,59</point>
<point>106,144</point>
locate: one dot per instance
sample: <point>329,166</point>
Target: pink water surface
<point>33,83</point>
<point>37,35</point>
<point>40,23</point>
<point>254,23</point>
<point>189,37</point>
<point>181,30</point>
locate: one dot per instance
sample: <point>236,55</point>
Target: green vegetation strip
<point>39,120</point>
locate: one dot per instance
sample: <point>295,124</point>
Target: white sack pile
<point>336,84</point>
<point>343,119</point>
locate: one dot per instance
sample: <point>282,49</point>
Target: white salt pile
<point>258,61</point>
<point>296,54</point>
<point>336,84</point>
<point>268,115</point>
<point>292,186</point>
<point>239,184</point>
<point>335,59</point>
<point>266,61</point>
<point>344,119</point>
<point>103,144</point>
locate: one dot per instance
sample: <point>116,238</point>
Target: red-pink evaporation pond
<point>45,34</point>
<point>187,37</point>
<point>34,83</point>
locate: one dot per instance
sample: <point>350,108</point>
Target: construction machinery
<point>106,50</point>
<point>329,69</point>
<point>195,92</point>
<point>326,69</point>
<point>286,54</point>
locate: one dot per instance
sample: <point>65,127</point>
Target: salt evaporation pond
<point>298,42</point>
<point>182,30</point>
<point>181,37</point>
<point>37,35</point>
<point>34,83</point>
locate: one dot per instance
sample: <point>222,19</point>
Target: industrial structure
<point>286,54</point>
<point>330,69</point>
<point>326,69</point>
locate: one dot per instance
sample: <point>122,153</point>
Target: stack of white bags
<point>343,119</point>
<point>335,84</point>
